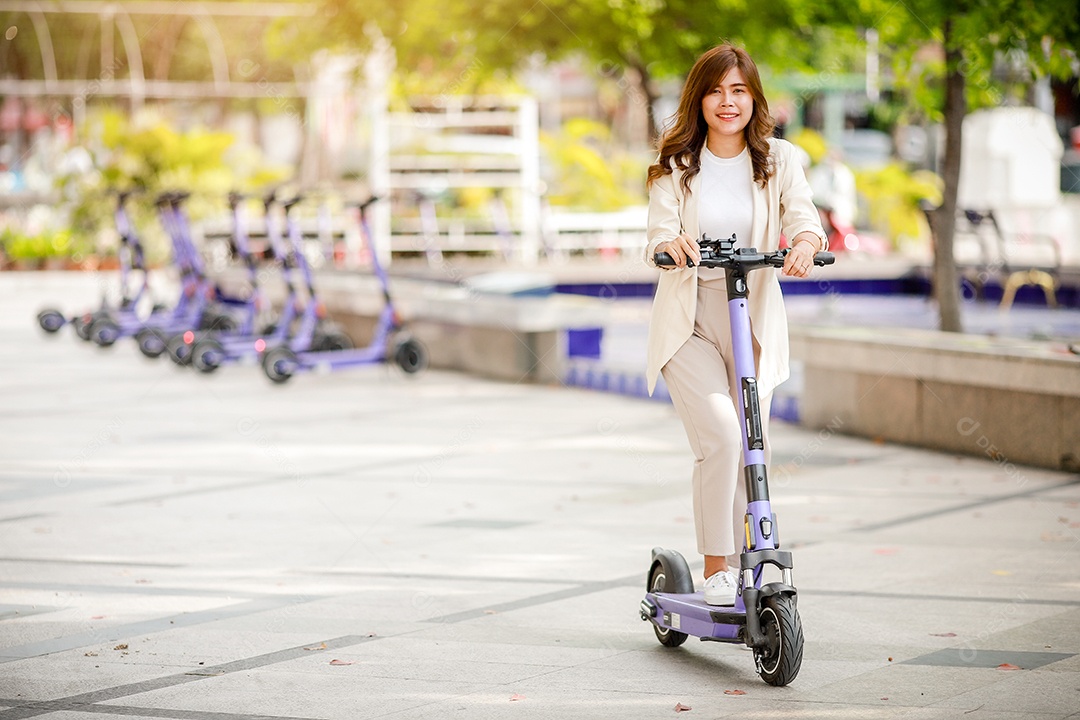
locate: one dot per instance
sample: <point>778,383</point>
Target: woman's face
<point>727,108</point>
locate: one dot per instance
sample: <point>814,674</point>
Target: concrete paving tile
<point>679,671</point>
<point>336,491</point>
<point>1038,632</point>
<point>420,668</point>
<point>1022,691</point>
<point>907,623</point>
<point>995,715</point>
<point>905,685</point>
<point>336,692</point>
<point>51,678</point>
<point>516,701</point>
<point>71,715</point>
<point>478,647</point>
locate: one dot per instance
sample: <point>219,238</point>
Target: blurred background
<point>524,127</point>
<point>508,142</point>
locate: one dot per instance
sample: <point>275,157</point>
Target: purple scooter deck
<point>688,613</point>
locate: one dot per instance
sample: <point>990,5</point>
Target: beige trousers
<point>700,378</point>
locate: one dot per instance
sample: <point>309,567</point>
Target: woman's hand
<point>680,249</point>
<point>800,259</point>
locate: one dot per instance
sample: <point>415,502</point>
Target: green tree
<point>973,35</point>
<point>636,42</point>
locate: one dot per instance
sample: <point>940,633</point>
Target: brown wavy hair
<point>680,146</point>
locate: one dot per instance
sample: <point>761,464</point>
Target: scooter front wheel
<point>81,324</point>
<point>781,657</point>
<point>179,349</point>
<point>411,356</point>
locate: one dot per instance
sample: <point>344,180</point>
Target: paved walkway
<point>363,545</point>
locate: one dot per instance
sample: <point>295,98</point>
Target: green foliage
<point>588,173</point>
<point>1036,37</point>
<point>150,155</point>
<point>43,245</point>
<point>894,196</point>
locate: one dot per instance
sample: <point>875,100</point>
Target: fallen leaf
<point>515,697</point>
<point>1008,666</point>
<point>679,707</point>
<point>943,634</point>
<point>734,692</point>
<point>884,698</point>
<point>890,659</point>
<point>491,612</point>
<point>341,662</point>
<point>97,617</point>
<point>321,646</point>
<point>90,654</point>
<point>121,646</point>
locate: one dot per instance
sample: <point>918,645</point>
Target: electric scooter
<point>300,354</point>
<point>132,260</point>
<point>211,350</point>
<point>765,617</point>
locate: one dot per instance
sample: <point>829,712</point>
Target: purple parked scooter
<point>301,353</point>
<point>765,617</point>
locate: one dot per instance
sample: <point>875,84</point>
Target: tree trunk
<point>946,280</point>
<point>645,81</point>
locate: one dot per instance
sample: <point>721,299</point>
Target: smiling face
<point>727,108</point>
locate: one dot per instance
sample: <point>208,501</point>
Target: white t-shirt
<point>726,204</point>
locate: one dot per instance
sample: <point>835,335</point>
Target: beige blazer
<point>785,206</point>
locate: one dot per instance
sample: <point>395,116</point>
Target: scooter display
<point>765,616</point>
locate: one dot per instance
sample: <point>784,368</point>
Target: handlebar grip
<point>824,258</point>
<point>664,260</point>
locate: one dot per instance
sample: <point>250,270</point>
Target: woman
<point>720,171</point>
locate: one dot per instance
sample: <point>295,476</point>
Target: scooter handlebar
<point>775,259</point>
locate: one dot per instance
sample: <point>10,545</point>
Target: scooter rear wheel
<point>333,340</point>
<point>207,355</point>
<point>779,661</point>
<point>279,364</point>
<point>151,343</point>
<point>104,332</point>
<point>659,581</point>
<point>50,320</point>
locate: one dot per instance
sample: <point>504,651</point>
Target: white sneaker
<point>720,589</point>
